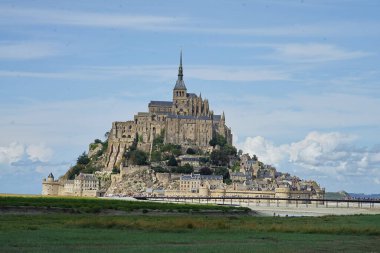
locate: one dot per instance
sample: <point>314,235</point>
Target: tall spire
<point>180,84</point>
<point>180,69</point>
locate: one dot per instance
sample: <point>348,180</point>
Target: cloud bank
<point>330,154</point>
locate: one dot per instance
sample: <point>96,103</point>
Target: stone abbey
<point>187,120</point>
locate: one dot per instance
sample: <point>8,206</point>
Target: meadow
<point>185,232</point>
<point>96,205</point>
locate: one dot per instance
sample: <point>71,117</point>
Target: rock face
<point>136,180</point>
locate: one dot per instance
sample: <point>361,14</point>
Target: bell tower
<point>180,93</point>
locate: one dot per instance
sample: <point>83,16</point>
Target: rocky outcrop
<point>136,180</point>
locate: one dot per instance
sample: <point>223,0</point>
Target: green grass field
<point>96,205</point>
<point>184,232</point>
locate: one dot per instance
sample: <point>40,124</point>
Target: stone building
<point>187,120</point>
<point>193,182</point>
<point>84,185</point>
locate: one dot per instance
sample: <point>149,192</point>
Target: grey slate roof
<point>201,177</point>
<point>180,85</point>
<point>191,95</point>
<point>172,116</point>
<point>161,103</point>
<point>217,117</point>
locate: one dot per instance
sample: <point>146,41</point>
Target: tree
<point>186,169</point>
<point>155,156</point>
<point>83,159</point>
<point>97,141</point>
<point>219,158</point>
<point>158,141</point>
<point>106,135</point>
<point>172,161</point>
<point>205,171</point>
<point>222,171</point>
<point>137,157</point>
<point>115,170</point>
<point>160,170</point>
<point>190,151</point>
<point>254,158</point>
<point>218,140</point>
<point>229,150</point>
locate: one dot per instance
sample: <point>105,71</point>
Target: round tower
<point>49,186</point>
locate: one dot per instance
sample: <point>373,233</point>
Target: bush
<point>137,157</point>
<point>218,140</point>
<point>83,159</point>
<point>205,171</point>
<point>172,161</point>
<point>160,170</point>
<point>97,141</point>
<point>191,151</point>
<point>115,170</point>
<point>172,148</point>
<point>156,156</point>
<point>186,169</point>
<point>219,158</point>
<point>222,171</point>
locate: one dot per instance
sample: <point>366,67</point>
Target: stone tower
<point>180,93</point>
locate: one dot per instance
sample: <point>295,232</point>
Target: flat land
<point>148,231</point>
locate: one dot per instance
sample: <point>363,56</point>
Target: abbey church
<point>187,120</point>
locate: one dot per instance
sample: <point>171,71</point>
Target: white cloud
<point>39,152</point>
<point>15,152</point>
<point>87,19</point>
<point>201,72</point>
<point>314,52</point>
<point>15,15</point>
<point>27,50</point>
<point>331,153</point>
<point>11,153</point>
<point>303,52</point>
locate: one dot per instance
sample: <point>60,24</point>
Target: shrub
<point>172,161</point>
<point>83,159</point>
<point>191,151</point>
<point>137,157</point>
<point>222,171</point>
<point>205,171</point>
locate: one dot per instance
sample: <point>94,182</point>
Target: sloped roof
<point>161,103</point>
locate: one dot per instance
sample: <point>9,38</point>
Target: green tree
<point>229,150</point>
<point>205,171</point>
<point>191,151</point>
<point>186,169</point>
<point>137,157</point>
<point>219,158</point>
<point>156,156</point>
<point>218,140</point>
<point>115,170</point>
<point>222,171</point>
<point>172,161</point>
<point>160,169</point>
<point>83,159</point>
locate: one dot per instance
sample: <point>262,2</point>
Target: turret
<point>50,178</point>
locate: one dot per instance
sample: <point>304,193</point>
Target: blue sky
<point>298,80</point>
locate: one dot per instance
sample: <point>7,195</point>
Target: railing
<point>362,203</point>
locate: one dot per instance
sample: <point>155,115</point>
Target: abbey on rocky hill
<point>187,121</point>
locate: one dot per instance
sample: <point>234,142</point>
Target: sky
<point>297,80</point>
